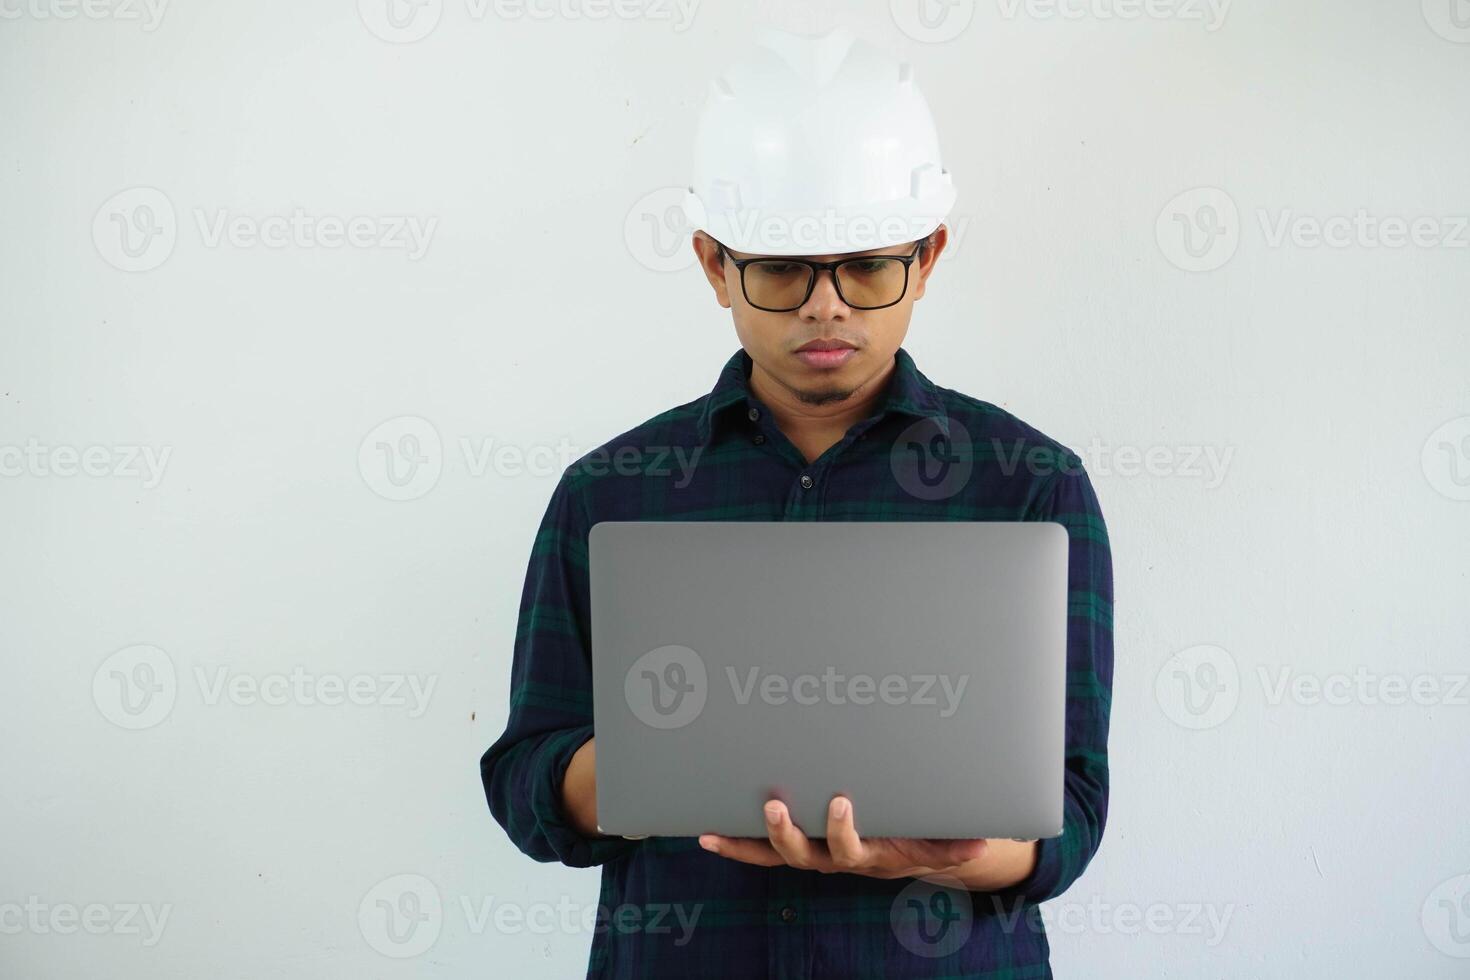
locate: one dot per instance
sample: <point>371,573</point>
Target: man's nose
<point>824,303</point>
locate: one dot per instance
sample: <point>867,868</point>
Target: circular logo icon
<point>1198,687</point>
<point>1446,458</point>
<point>402,458</point>
<point>1199,230</point>
<point>401,916</point>
<point>135,230</point>
<point>657,232</point>
<point>932,21</point>
<point>932,917</point>
<point>135,687</point>
<point>667,687</point>
<point>1446,917</point>
<point>930,463</point>
<point>400,21</point>
<point>1450,19</point>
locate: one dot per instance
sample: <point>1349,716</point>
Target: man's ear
<point>938,238</point>
<point>711,256</point>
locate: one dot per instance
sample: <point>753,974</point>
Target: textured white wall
<point>1302,408</point>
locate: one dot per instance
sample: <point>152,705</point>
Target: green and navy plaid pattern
<point>669,909</point>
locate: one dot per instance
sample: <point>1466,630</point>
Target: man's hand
<point>979,863</point>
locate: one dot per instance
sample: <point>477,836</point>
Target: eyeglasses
<point>868,282</point>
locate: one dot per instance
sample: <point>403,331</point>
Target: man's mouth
<point>825,353</point>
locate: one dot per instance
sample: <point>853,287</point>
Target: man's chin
<point>823,396</point>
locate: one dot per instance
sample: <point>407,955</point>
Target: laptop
<point>919,668</point>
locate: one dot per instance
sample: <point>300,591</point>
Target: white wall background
<point>1254,832</point>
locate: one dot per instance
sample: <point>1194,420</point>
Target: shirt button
<point>759,438</point>
<point>753,414</point>
<point>806,482</point>
<point>788,914</point>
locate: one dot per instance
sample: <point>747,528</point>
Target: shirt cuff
<point>571,847</point>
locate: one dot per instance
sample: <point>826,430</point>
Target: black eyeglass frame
<point>817,268</point>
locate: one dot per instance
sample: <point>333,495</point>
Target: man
<point>821,415</point>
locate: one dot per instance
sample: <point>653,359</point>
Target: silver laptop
<point>917,668</point>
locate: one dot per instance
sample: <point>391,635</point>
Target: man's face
<point>825,350</point>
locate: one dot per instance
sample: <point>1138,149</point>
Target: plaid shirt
<point>667,907</point>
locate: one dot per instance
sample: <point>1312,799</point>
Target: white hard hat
<point>816,145</point>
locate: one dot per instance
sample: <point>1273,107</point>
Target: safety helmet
<point>816,145</point>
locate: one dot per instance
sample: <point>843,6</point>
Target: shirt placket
<point>804,498</point>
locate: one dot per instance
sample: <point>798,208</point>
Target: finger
<point>846,847</point>
<point>787,838</point>
<point>747,849</point>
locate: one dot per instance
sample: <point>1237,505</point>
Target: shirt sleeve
<point>550,697</point>
<point>1070,500</point>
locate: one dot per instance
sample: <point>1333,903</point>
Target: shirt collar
<point>908,393</point>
